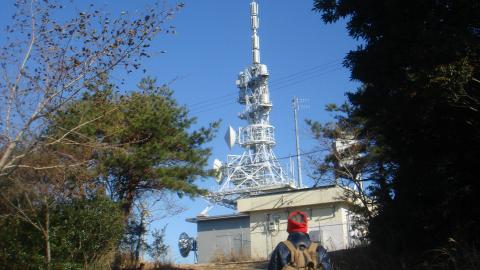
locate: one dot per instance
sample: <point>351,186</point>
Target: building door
<point>231,245</point>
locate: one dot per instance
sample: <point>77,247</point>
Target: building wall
<point>327,225</point>
<point>219,238</point>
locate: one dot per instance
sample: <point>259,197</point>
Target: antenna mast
<point>257,170</point>
<point>255,38</point>
<point>297,142</point>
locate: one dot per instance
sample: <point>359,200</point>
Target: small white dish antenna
<point>217,167</point>
<point>230,137</point>
<point>204,212</point>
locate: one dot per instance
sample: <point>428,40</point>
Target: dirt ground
<point>249,265</point>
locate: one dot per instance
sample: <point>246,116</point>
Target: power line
<point>217,105</point>
<point>305,79</point>
<point>281,80</point>
<point>212,99</point>
<point>280,158</point>
<point>306,72</point>
<point>214,106</point>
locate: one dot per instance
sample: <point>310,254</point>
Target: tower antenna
<point>257,170</point>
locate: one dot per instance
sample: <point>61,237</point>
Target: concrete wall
<point>223,237</point>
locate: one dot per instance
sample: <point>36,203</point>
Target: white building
<point>261,223</point>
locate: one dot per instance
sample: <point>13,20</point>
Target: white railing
<point>256,134</point>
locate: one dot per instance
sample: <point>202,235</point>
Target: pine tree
<point>419,65</point>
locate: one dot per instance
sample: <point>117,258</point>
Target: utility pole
<point>297,139</point>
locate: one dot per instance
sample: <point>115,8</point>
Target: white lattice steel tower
<point>257,170</point>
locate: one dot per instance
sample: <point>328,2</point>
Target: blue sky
<point>212,45</point>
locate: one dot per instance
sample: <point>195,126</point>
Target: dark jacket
<point>281,255</point>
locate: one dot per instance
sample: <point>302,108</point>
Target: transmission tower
<point>257,170</point>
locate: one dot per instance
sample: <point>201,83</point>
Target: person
<point>298,251</point>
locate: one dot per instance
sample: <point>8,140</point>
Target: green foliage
<point>82,232</point>
<point>420,100</point>
<point>21,246</point>
<point>148,141</point>
<point>131,144</point>
<point>136,143</point>
<point>86,230</point>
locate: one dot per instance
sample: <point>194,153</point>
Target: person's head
<point>297,222</point>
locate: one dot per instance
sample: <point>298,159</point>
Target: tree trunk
<point>47,252</point>
<point>46,233</point>
<point>127,208</point>
<point>141,232</point>
<point>127,204</point>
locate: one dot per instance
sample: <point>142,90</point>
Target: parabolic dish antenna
<point>230,137</point>
<point>186,244</point>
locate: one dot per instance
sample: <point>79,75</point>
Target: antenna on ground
<point>187,244</point>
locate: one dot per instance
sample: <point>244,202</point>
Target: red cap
<point>295,226</point>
